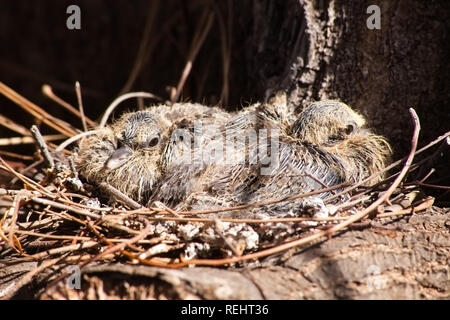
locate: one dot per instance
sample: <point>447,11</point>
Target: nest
<point>47,214</point>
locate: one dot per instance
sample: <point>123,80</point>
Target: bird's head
<point>137,135</point>
<point>327,122</point>
<point>126,155</point>
<point>336,128</point>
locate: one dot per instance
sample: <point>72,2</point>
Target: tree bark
<point>326,51</point>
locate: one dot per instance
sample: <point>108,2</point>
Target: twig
<point>6,192</point>
<point>73,168</point>
<point>11,141</point>
<point>144,48</point>
<point>434,186</point>
<point>55,123</point>
<point>87,213</point>
<point>61,206</point>
<point>47,91</point>
<point>71,140</point>
<point>37,223</point>
<point>48,159</point>
<point>80,105</point>
<point>166,208</point>
<point>351,203</point>
<point>15,212</point>
<point>418,206</point>
<point>51,236</point>
<point>78,238</point>
<point>16,155</point>
<point>64,249</point>
<point>257,204</point>
<point>121,246</point>
<point>217,225</point>
<point>25,170</point>
<point>25,180</point>
<point>432,170</point>
<point>199,38</point>
<point>118,195</point>
<point>316,180</point>
<point>225,41</point>
<point>140,102</point>
<point>12,125</point>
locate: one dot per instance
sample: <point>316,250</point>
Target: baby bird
<point>220,155</point>
<point>326,145</point>
<point>125,155</point>
<point>159,154</point>
<point>329,145</point>
<point>340,131</point>
<point>133,153</point>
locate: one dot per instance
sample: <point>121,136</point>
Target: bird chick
<point>342,132</point>
<point>194,146</point>
<point>151,155</point>
<point>126,155</point>
<point>209,176</point>
<point>326,145</point>
<point>329,145</point>
<point>134,152</point>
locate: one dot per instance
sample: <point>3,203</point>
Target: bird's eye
<point>350,128</point>
<point>153,142</point>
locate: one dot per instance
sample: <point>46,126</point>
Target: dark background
<point>38,48</point>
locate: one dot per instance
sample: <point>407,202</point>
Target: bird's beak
<point>118,158</point>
